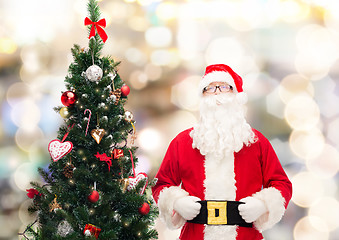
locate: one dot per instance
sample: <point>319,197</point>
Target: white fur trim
<point>241,98</point>
<point>220,185</point>
<point>228,232</point>
<point>167,197</point>
<point>217,76</point>
<point>275,204</point>
<point>220,177</point>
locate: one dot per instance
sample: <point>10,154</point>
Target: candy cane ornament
<point>89,119</point>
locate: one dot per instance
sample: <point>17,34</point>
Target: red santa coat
<point>253,171</point>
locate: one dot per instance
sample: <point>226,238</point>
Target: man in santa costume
<point>221,179</point>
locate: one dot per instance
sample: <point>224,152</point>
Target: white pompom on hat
<point>223,73</point>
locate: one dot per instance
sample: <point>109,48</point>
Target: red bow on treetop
<point>98,25</point>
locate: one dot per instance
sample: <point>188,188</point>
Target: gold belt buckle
<point>216,212</point>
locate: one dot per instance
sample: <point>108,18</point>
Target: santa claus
<point>221,179</point>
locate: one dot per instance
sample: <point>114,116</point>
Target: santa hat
<point>223,73</point>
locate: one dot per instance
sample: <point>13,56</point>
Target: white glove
<point>187,207</point>
<point>252,209</point>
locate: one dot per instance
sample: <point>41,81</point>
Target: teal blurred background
<point>287,52</point>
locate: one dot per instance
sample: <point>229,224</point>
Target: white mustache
<point>220,99</point>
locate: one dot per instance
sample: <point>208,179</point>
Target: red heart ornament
<point>133,182</point>
<point>59,149</point>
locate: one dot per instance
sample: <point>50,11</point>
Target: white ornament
<point>112,75</point>
<point>117,217</point>
<point>113,97</point>
<point>94,73</point>
<point>88,233</point>
<point>104,119</point>
<point>101,105</point>
<point>128,116</point>
<point>64,228</point>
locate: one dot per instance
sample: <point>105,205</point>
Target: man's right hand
<point>188,207</point>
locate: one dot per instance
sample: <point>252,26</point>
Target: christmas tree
<point>90,189</point>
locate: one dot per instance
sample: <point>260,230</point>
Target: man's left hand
<point>252,209</point>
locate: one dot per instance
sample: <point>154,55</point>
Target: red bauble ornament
<point>144,209</point>
<point>125,90</point>
<point>94,197</point>
<point>68,98</point>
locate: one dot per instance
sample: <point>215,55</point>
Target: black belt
<point>214,212</point>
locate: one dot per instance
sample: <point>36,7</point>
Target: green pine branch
<point>95,44</point>
<point>93,10</point>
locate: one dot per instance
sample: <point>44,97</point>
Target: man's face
<point>222,126</point>
<point>215,88</point>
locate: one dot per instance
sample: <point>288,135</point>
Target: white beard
<point>222,129</point>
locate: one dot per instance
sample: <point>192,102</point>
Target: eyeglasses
<point>222,88</point>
